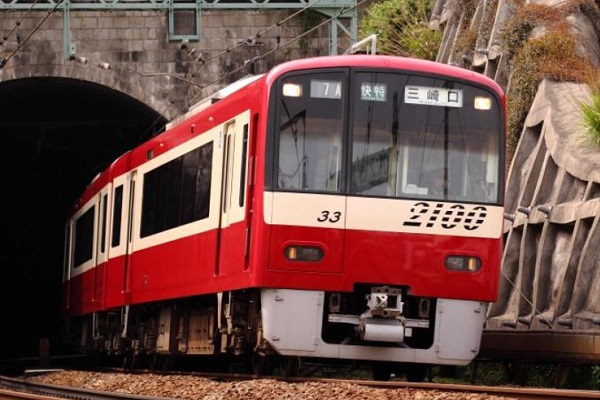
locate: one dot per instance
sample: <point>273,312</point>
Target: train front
<point>383,204</point>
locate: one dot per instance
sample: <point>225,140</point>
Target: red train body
<point>288,216</point>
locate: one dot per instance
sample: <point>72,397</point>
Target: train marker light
<point>303,253</point>
<point>463,263</point>
<point>292,90</point>
<point>482,103</point>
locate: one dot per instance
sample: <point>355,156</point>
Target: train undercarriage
<point>218,331</point>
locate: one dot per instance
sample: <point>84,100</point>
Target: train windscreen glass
<point>415,136</point>
<point>310,121</point>
<point>406,136</point>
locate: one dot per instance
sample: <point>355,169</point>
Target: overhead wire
<point>278,48</point>
<point>4,60</point>
<point>535,310</point>
<point>18,23</point>
<point>203,62</point>
<point>250,38</point>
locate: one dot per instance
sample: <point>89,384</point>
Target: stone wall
<point>167,76</point>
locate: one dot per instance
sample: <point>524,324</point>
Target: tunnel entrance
<point>58,133</point>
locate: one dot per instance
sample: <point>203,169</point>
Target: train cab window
<point>406,129</point>
<point>310,126</point>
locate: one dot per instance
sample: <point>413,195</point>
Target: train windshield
<point>311,128</point>
<point>389,134</point>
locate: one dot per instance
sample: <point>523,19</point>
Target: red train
<point>290,215</point>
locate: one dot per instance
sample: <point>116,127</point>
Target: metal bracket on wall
<point>344,14</point>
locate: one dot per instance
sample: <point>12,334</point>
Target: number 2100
<point>424,214</point>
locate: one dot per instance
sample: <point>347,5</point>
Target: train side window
<point>178,192</point>
<point>117,216</point>
<point>103,218</point>
<point>67,251</point>
<point>84,237</point>
<point>197,184</point>
<point>243,167</point>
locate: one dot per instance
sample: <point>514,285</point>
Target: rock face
<point>550,286</point>
<point>551,279</point>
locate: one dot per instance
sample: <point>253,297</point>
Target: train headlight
<point>482,103</point>
<point>303,253</point>
<point>292,90</point>
<point>463,263</point>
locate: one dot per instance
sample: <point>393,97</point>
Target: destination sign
<point>433,96</point>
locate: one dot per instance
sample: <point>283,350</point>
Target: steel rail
<point>10,386</point>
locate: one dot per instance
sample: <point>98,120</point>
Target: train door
<point>66,281</point>
<point>101,249</point>
<point>233,224</point>
<point>80,270</point>
<point>89,275</point>
<point>114,275</point>
<point>129,245</point>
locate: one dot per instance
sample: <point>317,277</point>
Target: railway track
<point>19,389</point>
<point>25,388</point>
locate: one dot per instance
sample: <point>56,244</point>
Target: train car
<point>292,215</point>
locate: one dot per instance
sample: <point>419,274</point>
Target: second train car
<point>296,214</point>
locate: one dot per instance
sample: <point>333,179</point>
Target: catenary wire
<point>18,23</point>
<point>4,60</point>
<point>255,59</point>
<point>204,62</point>
<point>249,39</point>
<point>529,301</point>
<point>278,48</point>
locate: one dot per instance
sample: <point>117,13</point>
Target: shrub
<point>596,377</point>
<point>553,55</point>
<point>402,28</point>
<point>591,119</point>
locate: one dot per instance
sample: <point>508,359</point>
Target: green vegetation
<point>485,373</point>
<point>551,55</point>
<point>591,113</point>
<point>595,381</point>
<point>591,118</point>
<point>309,20</point>
<point>402,28</point>
<point>537,38</point>
<point>541,375</point>
<point>467,36</point>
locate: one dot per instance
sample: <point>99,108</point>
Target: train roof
<point>213,98</point>
<point>384,61</point>
<point>352,60</point>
